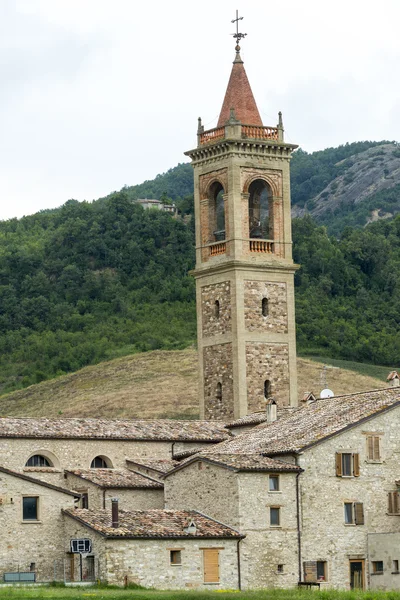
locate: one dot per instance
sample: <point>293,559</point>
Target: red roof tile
<point>114,478</point>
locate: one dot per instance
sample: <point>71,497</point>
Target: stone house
<point>166,549</point>
<point>98,486</point>
<point>31,524</point>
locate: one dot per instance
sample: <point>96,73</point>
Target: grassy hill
<point>160,384</point>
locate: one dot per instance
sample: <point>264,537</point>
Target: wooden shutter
<point>211,565</point>
<point>356,465</point>
<point>370,446</point>
<point>359,513</point>
<point>393,503</point>
<point>377,453</point>
<point>310,570</point>
<point>338,464</point>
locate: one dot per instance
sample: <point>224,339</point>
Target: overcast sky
<point>96,94</point>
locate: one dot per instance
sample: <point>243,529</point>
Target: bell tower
<point>244,269</point>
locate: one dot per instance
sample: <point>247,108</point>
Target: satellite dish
<point>326,393</point>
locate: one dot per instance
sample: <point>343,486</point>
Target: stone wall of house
<point>218,368</point>
<point>276,321</point>
<point>216,321</point>
<point>265,546</point>
<point>78,454</point>
<point>147,562</point>
<point>31,545</point>
<point>325,536</point>
<point>267,361</point>
<point>129,499</point>
<point>207,488</point>
<point>384,547</point>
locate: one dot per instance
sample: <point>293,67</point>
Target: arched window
<point>264,307</point>
<point>267,388</point>
<point>100,462</point>
<point>259,217</point>
<point>218,394</point>
<point>217,212</point>
<point>37,460</point>
<point>216,309</point>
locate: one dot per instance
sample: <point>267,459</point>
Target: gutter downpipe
<point>238,564</point>
<point>298,521</point>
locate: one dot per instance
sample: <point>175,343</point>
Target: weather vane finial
<point>238,35</point>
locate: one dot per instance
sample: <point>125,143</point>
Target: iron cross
<point>238,35</point>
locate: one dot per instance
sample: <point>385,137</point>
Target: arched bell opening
<point>260,217</point>
<point>217,212</point>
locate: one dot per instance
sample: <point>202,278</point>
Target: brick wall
<point>267,361</point>
<point>276,320</point>
<point>216,321</point>
<point>218,368</point>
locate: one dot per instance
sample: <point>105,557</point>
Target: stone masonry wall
<point>277,319</point>
<point>147,562</point>
<point>218,368</point>
<point>129,499</point>
<point>325,536</point>
<point>214,324</point>
<point>37,543</point>
<point>267,361</point>
<point>207,488</point>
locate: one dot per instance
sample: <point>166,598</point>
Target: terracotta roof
<point>186,453</point>
<point>38,481</point>
<point>311,424</point>
<point>113,478</point>
<point>241,462</point>
<point>239,96</point>
<point>114,429</point>
<point>260,417</point>
<point>160,465</point>
<point>154,523</point>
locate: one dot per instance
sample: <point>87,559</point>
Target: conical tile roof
<point>239,97</point>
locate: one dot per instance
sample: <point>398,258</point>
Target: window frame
<point>356,513</point>
<point>23,518</point>
<point>278,513</point>
<point>354,464</point>
<point>173,551</point>
<point>270,478</point>
<point>375,570</point>
<point>374,449</point>
<point>43,458</point>
<point>395,566</point>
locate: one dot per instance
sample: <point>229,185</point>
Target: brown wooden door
<point>211,565</point>
<point>357,574</point>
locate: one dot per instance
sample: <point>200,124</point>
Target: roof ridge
<point>38,481</point>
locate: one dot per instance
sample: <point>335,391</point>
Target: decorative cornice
<point>242,265</point>
<point>240,147</point>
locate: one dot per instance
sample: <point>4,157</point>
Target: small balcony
<point>252,132</point>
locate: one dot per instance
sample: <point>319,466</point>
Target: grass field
<point>100,593</point>
<point>162,384</point>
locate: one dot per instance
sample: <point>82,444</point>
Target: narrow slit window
<point>264,307</point>
<point>267,388</point>
<point>219,391</point>
<point>216,309</point>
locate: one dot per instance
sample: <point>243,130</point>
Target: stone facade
<point>267,362</point>
<point>147,562</point>
<point>31,545</point>
<point>385,548</point>
<point>216,318</point>
<point>243,501</point>
<point>129,499</point>
<point>276,319</point>
<point>218,369</point>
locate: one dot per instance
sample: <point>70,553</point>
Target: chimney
<point>393,379</point>
<point>271,410</point>
<point>114,512</point>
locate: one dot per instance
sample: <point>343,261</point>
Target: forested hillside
<point>92,281</point>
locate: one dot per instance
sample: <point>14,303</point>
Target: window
<point>377,567</point>
<point>373,447</point>
<point>175,557</point>
<point>393,503</point>
<point>218,394</point>
<point>264,307</point>
<point>267,388</point>
<point>395,566</point>
<point>85,500</point>
<point>211,565</point>
<point>100,462</point>
<point>315,570</point>
<point>37,460</point>
<point>81,546</point>
<point>260,225</point>
<point>30,506</point>
<point>216,309</point>
<point>280,569</point>
<point>347,464</point>
<point>274,483</point>
<point>274,516</point>
<point>216,212</point>
<point>354,513</point>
